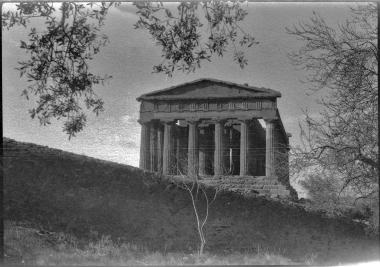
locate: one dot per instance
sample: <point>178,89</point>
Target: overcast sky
<point>115,134</point>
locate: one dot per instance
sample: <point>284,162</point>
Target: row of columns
<point>150,157</point>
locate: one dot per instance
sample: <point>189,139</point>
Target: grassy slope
<point>61,191</point>
<point>25,244</point>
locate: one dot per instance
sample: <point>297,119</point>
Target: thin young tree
<point>197,192</point>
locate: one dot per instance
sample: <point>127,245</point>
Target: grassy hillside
<point>89,198</point>
<point>28,245</point>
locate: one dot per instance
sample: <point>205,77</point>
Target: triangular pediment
<point>210,89</point>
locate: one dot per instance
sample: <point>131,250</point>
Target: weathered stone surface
<point>211,89</point>
<point>244,148</point>
<point>247,185</point>
<point>160,143</point>
<point>202,152</point>
<point>144,148</point>
<point>219,148</point>
<point>168,149</point>
<point>270,150</point>
<point>193,149</point>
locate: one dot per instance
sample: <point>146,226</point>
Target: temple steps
<point>248,185</point>
<point>241,179</point>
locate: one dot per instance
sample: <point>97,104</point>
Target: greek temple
<point>211,128</point>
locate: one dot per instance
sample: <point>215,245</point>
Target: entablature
<point>207,105</point>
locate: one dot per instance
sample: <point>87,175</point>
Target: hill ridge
<point>55,151</point>
<point>83,197</point>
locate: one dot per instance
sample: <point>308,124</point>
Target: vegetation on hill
<point>57,191</point>
<point>25,244</point>
<point>340,142</point>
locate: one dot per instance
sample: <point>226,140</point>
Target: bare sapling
<point>195,189</point>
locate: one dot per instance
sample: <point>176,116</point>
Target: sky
<point>115,134</point>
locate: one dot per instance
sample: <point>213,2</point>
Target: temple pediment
<point>210,89</point>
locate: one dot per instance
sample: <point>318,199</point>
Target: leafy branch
<point>58,67</point>
<point>180,37</point>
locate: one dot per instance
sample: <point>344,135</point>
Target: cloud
<point>128,144</point>
<point>129,119</point>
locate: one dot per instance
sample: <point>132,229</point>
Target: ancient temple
<point>209,128</point>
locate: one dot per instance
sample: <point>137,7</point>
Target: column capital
<point>218,120</point>
<point>141,122</point>
<point>245,120</point>
<point>192,120</point>
<point>270,120</point>
<point>168,121</point>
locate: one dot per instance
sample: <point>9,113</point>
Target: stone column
<point>177,160</point>
<point>192,158</point>
<point>219,148</point>
<point>167,164</point>
<point>228,143</point>
<point>235,151</point>
<point>153,148</point>
<point>270,149</point>
<point>244,145</point>
<point>202,151</point>
<point>144,146</point>
<point>160,141</point>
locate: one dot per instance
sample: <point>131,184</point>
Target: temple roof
<point>210,89</point>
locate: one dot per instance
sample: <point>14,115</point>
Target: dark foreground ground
<point>94,202</point>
